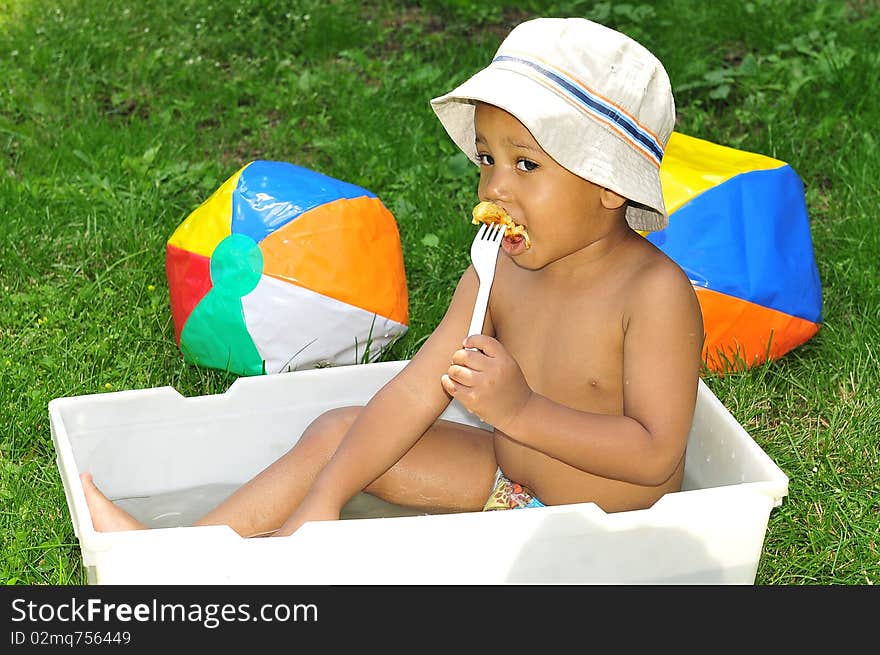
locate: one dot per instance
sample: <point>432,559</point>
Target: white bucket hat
<point>596,101</point>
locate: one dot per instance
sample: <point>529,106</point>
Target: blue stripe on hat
<point>595,105</point>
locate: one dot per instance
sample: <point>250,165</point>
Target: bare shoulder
<point>663,326</point>
<point>659,287</point>
<point>660,270</point>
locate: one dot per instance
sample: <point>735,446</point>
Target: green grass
<point>119,118</point>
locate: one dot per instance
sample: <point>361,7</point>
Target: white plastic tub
<point>154,441</point>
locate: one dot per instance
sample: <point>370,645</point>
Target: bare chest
<point>569,344</point>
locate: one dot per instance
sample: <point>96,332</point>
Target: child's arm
<point>662,346</point>
<point>394,419</point>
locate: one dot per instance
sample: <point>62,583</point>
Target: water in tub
<point>183,507</point>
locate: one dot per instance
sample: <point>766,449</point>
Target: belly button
<point>594,382</point>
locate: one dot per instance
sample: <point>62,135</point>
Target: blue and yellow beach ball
<point>738,226</point>
<point>284,268</point>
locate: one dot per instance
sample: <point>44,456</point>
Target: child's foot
<point>106,517</point>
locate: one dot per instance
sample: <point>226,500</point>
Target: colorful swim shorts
<point>510,495</point>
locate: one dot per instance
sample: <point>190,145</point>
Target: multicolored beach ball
<point>284,268</point>
<point>738,226</point>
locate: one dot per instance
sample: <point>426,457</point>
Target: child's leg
<point>450,468</point>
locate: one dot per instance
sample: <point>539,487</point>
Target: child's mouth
<point>516,239</point>
<point>513,245</point>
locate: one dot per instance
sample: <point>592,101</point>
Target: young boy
<point>589,359</point>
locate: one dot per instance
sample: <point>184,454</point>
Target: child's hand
<point>488,381</point>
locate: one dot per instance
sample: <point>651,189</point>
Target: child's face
<point>562,212</point>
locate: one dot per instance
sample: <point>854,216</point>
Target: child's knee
<point>330,427</point>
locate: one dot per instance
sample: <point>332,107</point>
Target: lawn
<point>117,119</point>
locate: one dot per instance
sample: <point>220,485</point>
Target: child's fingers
<point>461,375</point>
<point>487,344</point>
<point>472,359</point>
<point>448,385</point>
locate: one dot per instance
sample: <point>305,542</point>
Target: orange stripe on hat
<point>606,123</point>
<point>348,249</point>
<point>744,333</point>
<point>592,90</point>
<point>588,103</point>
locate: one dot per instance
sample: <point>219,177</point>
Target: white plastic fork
<point>484,254</point>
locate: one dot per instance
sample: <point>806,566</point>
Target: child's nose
<point>496,185</point>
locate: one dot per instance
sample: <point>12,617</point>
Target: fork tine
<point>484,255</point>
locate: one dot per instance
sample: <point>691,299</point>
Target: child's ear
<point>610,199</point>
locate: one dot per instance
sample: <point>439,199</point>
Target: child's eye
<point>484,159</point>
<point>526,165</point>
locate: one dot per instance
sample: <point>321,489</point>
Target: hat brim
<point>576,141</point>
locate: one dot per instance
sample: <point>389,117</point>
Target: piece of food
<point>492,214</point>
